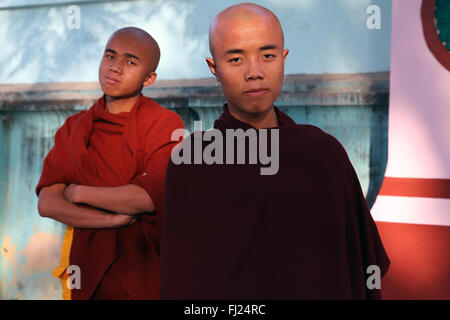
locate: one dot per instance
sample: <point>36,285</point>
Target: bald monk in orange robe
<point>104,178</point>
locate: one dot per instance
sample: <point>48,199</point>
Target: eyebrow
<point>268,47</point>
<point>126,54</point>
<point>231,51</point>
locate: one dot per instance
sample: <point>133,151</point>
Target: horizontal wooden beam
<point>310,90</point>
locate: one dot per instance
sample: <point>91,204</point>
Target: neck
<point>266,119</point>
<point>118,105</point>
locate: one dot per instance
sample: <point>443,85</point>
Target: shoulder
<point>310,133</point>
<point>71,121</point>
<point>156,124</point>
<point>318,135</point>
<point>313,139</point>
<point>75,117</point>
<point>154,116</point>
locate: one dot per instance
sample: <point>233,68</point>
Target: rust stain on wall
<point>25,268</point>
<point>9,255</point>
<point>41,252</point>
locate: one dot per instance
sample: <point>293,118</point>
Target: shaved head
<point>129,62</point>
<point>248,12</point>
<point>248,56</point>
<point>150,46</point>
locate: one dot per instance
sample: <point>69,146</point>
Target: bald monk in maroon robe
<point>104,178</point>
<point>301,229</point>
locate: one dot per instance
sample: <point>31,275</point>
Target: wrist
<point>78,194</point>
<point>112,220</point>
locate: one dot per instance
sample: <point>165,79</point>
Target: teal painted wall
<point>324,37</point>
<point>353,108</point>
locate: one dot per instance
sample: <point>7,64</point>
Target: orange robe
<point>97,148</point>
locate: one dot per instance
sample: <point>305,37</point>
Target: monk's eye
<point>108,56</point>
<point>235,60</point>
<point>269,56</point>
<point>131,62</point>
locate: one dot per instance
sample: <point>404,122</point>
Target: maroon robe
<point>304,233</point>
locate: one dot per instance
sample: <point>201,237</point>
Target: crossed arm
<point>60,202</point>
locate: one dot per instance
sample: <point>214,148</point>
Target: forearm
<point>128,199</point>
<point>52,204</point>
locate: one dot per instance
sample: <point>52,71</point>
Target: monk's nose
<point>254,71</point>
<point>116,67</point>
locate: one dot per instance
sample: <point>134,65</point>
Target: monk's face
<point>124,68</point>
<point>249,62</point>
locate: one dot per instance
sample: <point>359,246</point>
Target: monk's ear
<point>151,77</point>
<point>285,54</point>
<point>212,66</point>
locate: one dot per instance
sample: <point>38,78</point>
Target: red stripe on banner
<point>415,187</point>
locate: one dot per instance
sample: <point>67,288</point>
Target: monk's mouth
<point>256,92</point>
<point>111,80</point>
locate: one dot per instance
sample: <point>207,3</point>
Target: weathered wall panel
<point>353,108</point>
